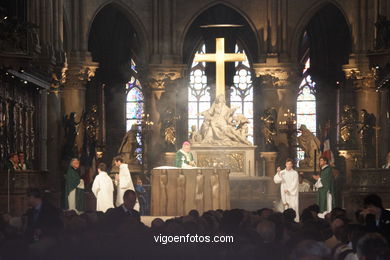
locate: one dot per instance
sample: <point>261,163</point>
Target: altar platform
<point>176,191</point>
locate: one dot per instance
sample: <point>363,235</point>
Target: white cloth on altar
<point>103,188</point>
<point>125,183</point>
<point>289,181</point>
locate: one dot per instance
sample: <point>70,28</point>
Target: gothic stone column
<point>359,74</point>
<point>279,83</point>
<point>80,70</point>
<point>159,80</point>
<point>270,170</point>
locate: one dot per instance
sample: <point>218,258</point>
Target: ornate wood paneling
<point>18,118</point>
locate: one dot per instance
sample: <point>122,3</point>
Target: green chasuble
<point>327,185</point>
<point>72,180</point>
<point>181,157</point>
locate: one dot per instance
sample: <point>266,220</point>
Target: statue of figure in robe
<point>181,184</point>
<point>214,182</point>
<point>70,149</point>
<point>129,145</point>
<point>199,191</point>
<point>163,192</point>
<point>309,144</point>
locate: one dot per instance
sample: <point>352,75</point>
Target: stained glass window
<point>198,92</point>
<point>306,105</point>
<point>135,108</point>
<point>241,93</point>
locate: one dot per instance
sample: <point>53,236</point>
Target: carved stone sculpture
<point>269,128</point>
<point>222,127</point>
<point>199,190</point>
<point>129,145</point>
<point>382,40</point>
<point>348,125</point>
<point>181,184</point>
<point>367,133</point>
<point>163,193</point>
<point>70,125</point>
<point>214,181</point>
<point>309,144</point>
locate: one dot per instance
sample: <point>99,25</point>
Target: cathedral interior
<point>100,78</point>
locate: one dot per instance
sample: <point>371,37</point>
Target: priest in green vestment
<point>74,188</point>
<point>324,185</point>
<point>184,157</point>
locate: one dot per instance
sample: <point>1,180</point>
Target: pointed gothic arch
<point>132,18</point>
<point>249,39</point>
<point>307,16</point>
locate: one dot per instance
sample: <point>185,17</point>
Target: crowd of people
<point>102,187</point>
<point>118,233</point>
<point>18,162</point>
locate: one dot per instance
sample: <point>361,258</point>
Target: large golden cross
<point>220,57</point>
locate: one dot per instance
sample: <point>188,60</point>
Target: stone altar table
<point>239,159</point>
<point>176,191</point>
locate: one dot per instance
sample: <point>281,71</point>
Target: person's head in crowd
<point>157,223</point>
<point>186,147</point>
<point>14,158</point>
<point>21,157</point>
<point>373,204</point>
<point>372,246</point>
<point>289,164</point>
<point>314,210</point>
<point>319,227</point>
<point>118,161</point>
<point>266,231</point>
<point>139,181</point>
<point>231,220</point>
<point>354,233</point>
<point>338,222</point>
<point>289,215</point>
<point>264,213</point>
<point>359,218</point>
<point>323,161</point>
<point>307,215</point>
<point>341,233</point>
<point>193,213</point>
<point>34,197</point>
<point>310,250</point>
<point>129,199</point>
<point>337,212</point>
<point>75,163</point>
<point>388,158</point>
<point>102,167</point>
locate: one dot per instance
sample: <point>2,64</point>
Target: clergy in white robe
<point>289,180</point>
<point>123,182</point>
<point>103,188</point>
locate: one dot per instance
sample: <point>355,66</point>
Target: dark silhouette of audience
<point>43,219</point>
<point>125,210</point>
<point>263,234</point>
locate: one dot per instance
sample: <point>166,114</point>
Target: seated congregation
<point>47,233</point>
